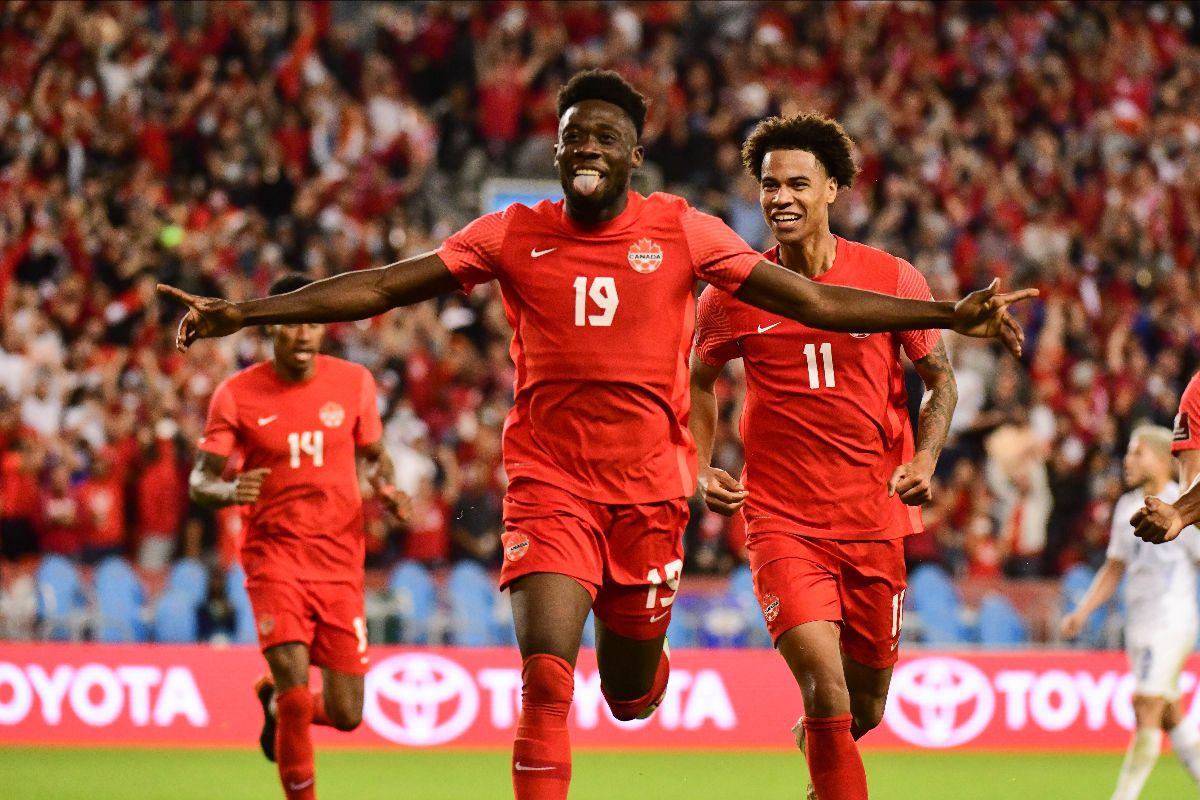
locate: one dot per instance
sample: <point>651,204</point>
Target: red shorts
<point>859,585</point>
<point>327,616</point>
<point>628,557</point>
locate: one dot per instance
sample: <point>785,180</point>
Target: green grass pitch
<point>148,774</point>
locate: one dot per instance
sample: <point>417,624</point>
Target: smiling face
<point>595,155</point>
<point>795,193</point>
<point>296,348</point>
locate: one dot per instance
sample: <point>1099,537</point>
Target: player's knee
<point>868,713</point>
<point>345,716</point>
<point>547,683</point>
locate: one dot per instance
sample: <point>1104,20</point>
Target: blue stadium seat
<point>741,595</point>
<point>235,590</point>
<point>589,631</point>
<point>686,614</point>
<point>61,603</point>
<point>190,577</point>
<point>175,617</point>
<point>1075,583</point>
<point>999,623</point>
<point>935,602</point>
<point>416,601</point>
<point>471,598</point>
<point>119,600</point>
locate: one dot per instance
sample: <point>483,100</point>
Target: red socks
<point>834,764</point>
<point>541,765</point>
<point>293,745</point>
<point>626,710</point>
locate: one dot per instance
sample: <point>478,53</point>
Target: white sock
<point>1139,760</point>
<point>1185,741</point>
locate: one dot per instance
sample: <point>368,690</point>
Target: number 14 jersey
<point>602,320</point>
<point>308,521</point>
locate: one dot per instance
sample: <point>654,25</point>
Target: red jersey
<point>826,419</point>
<point>308,520</point>
<point>1187,421</point>
<point>602,320</point>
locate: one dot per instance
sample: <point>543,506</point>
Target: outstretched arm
<point>840,308</point>
<point>349,296</point>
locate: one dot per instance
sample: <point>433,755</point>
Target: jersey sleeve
<point>719,255</point>
<point>1120,537</point>
<point>473,254</point>
<point>1187,421</point>
<point>369,428</point>
<point>912,285</point>
<point>715,342</point>
<point>221,430</point>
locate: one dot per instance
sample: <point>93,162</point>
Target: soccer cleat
<point>798,734</point>
<point>264,690</point>
<point>650,709</point>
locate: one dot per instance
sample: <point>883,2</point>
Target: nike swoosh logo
<point>765,328</point>
<point>267,420</point>
<point>657,617</point>
<point>295,787</point>
<point>535,253</point>
<point>521,767</point>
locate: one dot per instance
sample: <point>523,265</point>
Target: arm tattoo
<point>941,396</point>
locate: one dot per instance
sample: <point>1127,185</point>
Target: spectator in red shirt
<point>161,497</point>
<point>61,521</point>
<point>427,535</point>
<point>102,497</point>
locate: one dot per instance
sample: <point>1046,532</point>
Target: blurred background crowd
<point>214,145</point>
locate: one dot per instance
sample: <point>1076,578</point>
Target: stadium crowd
<point>212,146</point>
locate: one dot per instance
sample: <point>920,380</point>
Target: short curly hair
<point>823,137</point>
<point>606,85</point>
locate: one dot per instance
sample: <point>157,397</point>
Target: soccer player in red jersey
<point>832,481</point>
<point>1158,521</point>
<point>599,290</point>
<point>304,424</point>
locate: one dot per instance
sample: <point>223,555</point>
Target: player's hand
<point>1071,625</point>
<point>984,314</point>
<point>1156,521</point>
<point>397,502</point>
<point>722,493</point>
<point>207,317</point>
<point>913,481</point>
<point>248,485</point>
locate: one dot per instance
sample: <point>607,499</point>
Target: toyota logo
<point>420,699</point>
<point>939,702</point>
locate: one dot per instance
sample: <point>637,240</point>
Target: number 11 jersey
<point>602,320</point>
<point>308,522</point>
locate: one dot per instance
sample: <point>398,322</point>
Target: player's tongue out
<point>586,181</point>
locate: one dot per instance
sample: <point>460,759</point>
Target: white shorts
<point>1156,658</point>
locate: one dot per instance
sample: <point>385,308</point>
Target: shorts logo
<point>332,415</point>
<point>1183,427</point>
<point>770,604</point>
<point>266,624</point>
<point>516,545</point>
<point>645,256</point>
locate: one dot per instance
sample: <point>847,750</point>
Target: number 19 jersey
<point>602,320</point>
<point>308,522</point>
